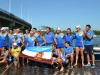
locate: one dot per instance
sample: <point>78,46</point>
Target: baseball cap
<point>15,44</point>
<point>58,28</point>
<point>15,34</point>
<point>78,26</point>
<point>2,28</point>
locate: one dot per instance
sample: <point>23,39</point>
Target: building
<point>43,28</point>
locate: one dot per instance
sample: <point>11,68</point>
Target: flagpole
<point>21,10</point>
<point>10,6</point>
<point>28,16</point>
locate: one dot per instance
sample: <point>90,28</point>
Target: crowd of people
<point>62,45</point>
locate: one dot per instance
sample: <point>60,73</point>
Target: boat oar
<point>7,68</point>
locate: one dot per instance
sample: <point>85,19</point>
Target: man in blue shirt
<point>69,53</point>
<point>49,36</point>
<point>69,37</point>
<point>89,45</point>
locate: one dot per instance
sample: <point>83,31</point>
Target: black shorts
<point>89,49</point>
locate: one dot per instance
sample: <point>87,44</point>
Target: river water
<point>45,69</point>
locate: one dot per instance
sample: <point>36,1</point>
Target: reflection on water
<point>30,70</point>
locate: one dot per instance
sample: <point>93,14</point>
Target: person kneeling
<point>15,52</point>
<point>60,59</point>
<point>69,53</point>
<point>4,56</point>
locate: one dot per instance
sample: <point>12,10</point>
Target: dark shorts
<point>89,49</point>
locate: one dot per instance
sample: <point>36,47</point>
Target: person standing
<point>69,37</point>
<point>26,36</point>
<point>18,41</point>
<point>79,44</point>
<point>18,31</point>
<point>40,39</point>
<point>3,37</point>
<point>49,36</point>
<point>31,40</point>
<point>89,45</point>
<point>10,37</point>
<point>35,32</point>
<point>59,39</point>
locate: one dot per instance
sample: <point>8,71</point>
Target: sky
<point>57,13</point>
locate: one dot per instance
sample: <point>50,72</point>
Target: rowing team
<point>64,43</point>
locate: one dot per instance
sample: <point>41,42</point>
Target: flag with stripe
<point>39,54</point>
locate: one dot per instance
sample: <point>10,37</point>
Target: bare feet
<point>75,64</point>
<point>62,69</point>
<point>35,66</point>
<point>7,66</point>
<point>82,64</point>
<point>1,62</point>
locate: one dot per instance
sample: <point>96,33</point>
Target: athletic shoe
<point>92,66</point>
<point>87,65</point>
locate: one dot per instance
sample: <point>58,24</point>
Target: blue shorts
<point>79,44</point>
<point>60,46</point>
<point>68,57</point>
<point>10,46</point>
<point>14,59</point>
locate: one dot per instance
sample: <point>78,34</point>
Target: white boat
<point>95,35</point>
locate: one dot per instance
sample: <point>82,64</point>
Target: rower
<point>59,59</point>
<point>49,36</point>
<point>41,39</point>
<point>31,40</point>
<point>26,36</point>
<point>59,39</point>
<point>10,37</point>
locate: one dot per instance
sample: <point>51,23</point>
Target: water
<point>49,70</point>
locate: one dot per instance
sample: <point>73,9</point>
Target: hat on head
<point>15,44</point>
<point>58,28</point>
<point>78,26</point>
<point>2,28</point>
<point>15,34</point>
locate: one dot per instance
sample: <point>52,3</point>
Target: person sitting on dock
<point>59,59</point>
<point>4,56</point>
<point>69,53</point>
<point>15,52</point>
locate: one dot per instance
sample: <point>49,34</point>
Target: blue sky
<point>57,13</point>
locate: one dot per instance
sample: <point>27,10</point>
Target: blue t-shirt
<point>79,38</point>
<point>59,38</point>
<point>18,41</point>
<point>68,50</point>
<point>49,38</point>
<point>19,35</point>
<point>87,40</point>
<point>26,39</point>
<point>69,38</point>
<point>11,37</point>
<point>40,40</point>
<point>3,39</point>
<point>31,42</point>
